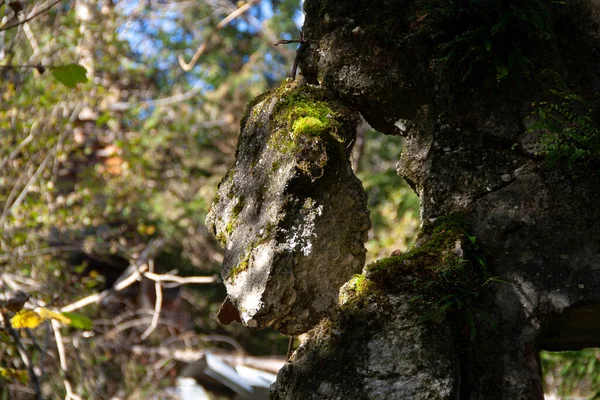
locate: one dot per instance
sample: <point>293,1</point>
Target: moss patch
<point>306,111</point>
<point>445,271</point>
<point>240,267</point>
<point>357,290</point>
<point>307,124</point>
<point>238,207</point>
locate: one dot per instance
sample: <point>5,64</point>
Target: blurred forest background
<point>117,121</point>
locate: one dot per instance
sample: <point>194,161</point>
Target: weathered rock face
<point>290,212</point>
<point>469,149</point>
<point>373,352</point>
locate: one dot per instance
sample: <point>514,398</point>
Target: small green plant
<point>488,36</point>
<point>571,133</point>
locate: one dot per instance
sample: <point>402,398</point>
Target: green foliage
<point>78,321</point>
<point>570,126</point>
<point>9,375</point>
<point>488,36</point>
<point>572,374</point>
<point>69,75</point>
<point>393,204</point>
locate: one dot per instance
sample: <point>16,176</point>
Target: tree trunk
<point>506,261</point>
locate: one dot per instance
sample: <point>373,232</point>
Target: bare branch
<point>63,361</point>
<point>30,17</point>
<point>180,279</point>
<point>131,275</point>
<point>178,98</point>
<point>187,67</point>
<point>157,307</point>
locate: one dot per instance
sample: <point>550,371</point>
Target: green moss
<point>239,268</point>
<point>357,291</point>
<point>221,238</point>
<point>229,228</point>
<point>445,271</point>
<point>309,126</point>
<point>275,166</point>
<point>305,111</point>
<point>238,207</point>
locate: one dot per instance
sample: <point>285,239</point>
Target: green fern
<point>571,133</point>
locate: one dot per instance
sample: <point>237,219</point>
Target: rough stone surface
<point>468,149</point>
<point>372,353</point>
<point>291,214</point>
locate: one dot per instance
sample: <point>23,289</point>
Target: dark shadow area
<point>576,328</point>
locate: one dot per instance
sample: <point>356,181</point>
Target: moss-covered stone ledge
<point>402,326</point>
<point>290,212</point>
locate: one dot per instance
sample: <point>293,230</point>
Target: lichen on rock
<point>290,212</point>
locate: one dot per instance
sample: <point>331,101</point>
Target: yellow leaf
<point>47,314</point>
<point>11,375</point>
<point>26,319</point>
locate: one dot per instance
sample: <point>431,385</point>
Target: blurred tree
<point>94,171</point>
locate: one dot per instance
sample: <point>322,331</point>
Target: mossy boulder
<point>290,212</point>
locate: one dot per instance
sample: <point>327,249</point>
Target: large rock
<point>290,212</point>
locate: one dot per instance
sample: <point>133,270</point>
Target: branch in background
<point>157,309</point>
<point>178,98</point>
<point>129,276</point>
<point>179,279</point>
<point>63,361</point>
<point>24,356</point>
<point>24,143</point>
<point>8,210</point>
<point>187,67</point>
<point>134,272</point>
<point>30,17</point>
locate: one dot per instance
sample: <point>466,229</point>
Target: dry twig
<point>187,67</point>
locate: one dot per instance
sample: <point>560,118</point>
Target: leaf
<point>78,321</point>
<point>69,75</point>
<point>47,314</point>
<point>26,319</point>
<point>11,375</point>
